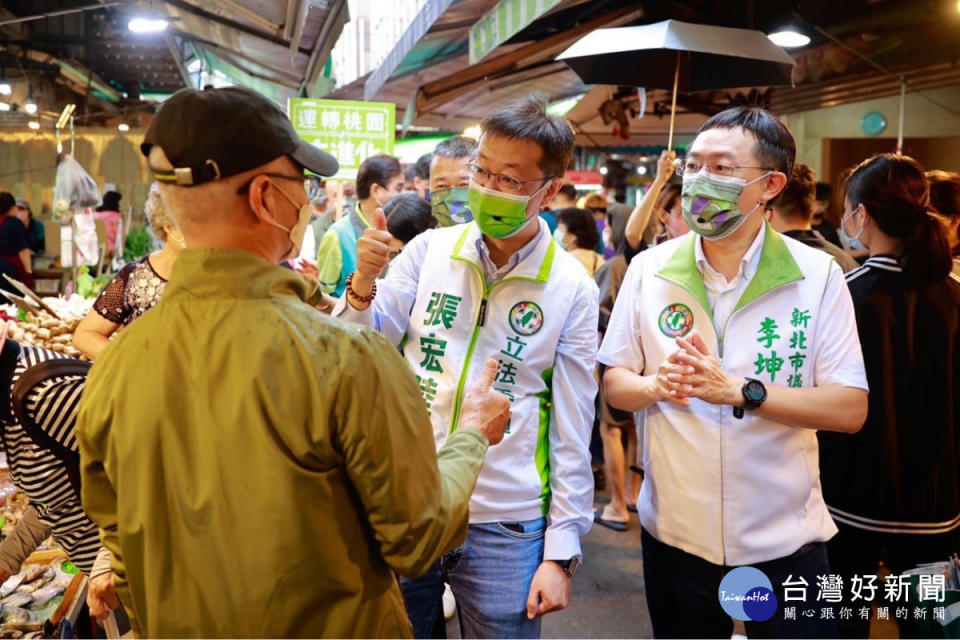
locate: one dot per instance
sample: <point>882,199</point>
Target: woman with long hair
<point>894,488</point>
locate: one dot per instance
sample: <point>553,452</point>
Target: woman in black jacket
<point>894,488</point>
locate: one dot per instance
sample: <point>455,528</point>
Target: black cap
<point>215,133</point>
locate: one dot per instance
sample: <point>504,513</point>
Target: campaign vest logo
<point>747,594</point>
<point>526,318</point>
<point>676,320</point>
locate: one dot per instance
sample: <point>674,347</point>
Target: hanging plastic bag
<point>74,189</point>
<point>87,245</point>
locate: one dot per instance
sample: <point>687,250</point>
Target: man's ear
<point>262,199</point>
<point>551,193</point>
<point>776,181</point>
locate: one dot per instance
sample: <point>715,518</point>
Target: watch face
<point>754,390</point>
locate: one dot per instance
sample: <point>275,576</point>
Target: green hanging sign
<point>349,131</point>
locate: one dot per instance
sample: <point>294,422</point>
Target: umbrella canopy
<point>680,56</point>
<point>709,57</point>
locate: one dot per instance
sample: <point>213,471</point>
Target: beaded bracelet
<point>353,294</point>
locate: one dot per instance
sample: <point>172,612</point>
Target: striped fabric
<point>40,474</point>
<point>886,263</point>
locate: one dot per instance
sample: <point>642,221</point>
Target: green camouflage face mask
<point>710,203</point>
<point>449,206</point>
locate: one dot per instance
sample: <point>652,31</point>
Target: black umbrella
<point>680,56</point>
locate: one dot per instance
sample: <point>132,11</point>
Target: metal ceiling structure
<point>434,84</point>
<point>83,51</point>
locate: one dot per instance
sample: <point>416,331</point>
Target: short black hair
<point>422,167</point>
<point>376,170</point>
<point>527,119</point>
<point>568,190</point>
<point>7,202</point>
<point>408,215</point>
<point>456,147</point>
<point>111,201</point>
<point>580,223</point>
<point>410,172</point>
<point>776,147</point>
<point>824,191</point>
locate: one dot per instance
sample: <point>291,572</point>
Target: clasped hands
<point>692,371</point>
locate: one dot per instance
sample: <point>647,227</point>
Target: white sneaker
<point>449,602</point>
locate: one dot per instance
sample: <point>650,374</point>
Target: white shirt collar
<point>749,263</point>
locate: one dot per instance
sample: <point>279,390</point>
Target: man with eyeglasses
<point>379,178</point>
<point>739,343</point>
<point>500,287</point>
<point>242,474</point>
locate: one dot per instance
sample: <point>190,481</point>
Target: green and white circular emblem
<point>526,318</point>
<point>676,320</point>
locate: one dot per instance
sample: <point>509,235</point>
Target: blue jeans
<point>490,576</point>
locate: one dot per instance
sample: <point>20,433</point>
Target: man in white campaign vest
<point>740,343</point>
<point>499,287</point>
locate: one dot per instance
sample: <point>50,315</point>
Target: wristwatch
<point>569,566</point>
<point>754,393</point>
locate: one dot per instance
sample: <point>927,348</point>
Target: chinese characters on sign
<point>350,131</point>
<point>862,592</point>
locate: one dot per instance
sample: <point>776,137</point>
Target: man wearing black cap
<point>249,484</point>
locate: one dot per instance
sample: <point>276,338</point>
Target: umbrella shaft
<point>673,106</point>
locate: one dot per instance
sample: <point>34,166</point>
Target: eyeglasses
<point>311,184</point>
<point>507,183</point>
<point>692,165</point>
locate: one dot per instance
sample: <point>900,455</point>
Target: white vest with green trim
<point>458,322</point>
<point>733,491</point>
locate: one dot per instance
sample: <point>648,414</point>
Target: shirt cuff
<point>343,310</point>
<point>561,544</point>
<point>101,564</point>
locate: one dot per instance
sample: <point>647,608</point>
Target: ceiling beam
<point>220,49</point>
<point>57,12</point>
<point>178,59</point>
<point>291,14</point>
<point>441,91</point>
<point>299,23</point>
<point>232,24</point>
<point>338,13</point>
<point>248,14</point>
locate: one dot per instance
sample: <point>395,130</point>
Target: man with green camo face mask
<point>742,343</point>
<point>500,285</point>
<point>449,180</point>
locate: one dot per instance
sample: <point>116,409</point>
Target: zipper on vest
<point>481,320</point>
<point>720,340</point>
<point>723,529</point>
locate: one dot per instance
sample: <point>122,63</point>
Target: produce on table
<point>40,329</point>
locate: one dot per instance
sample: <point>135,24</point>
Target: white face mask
<point>846,217</point>
<point>299,229</point>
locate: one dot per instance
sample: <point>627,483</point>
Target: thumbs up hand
<point>373,254</point>
<point>484,409</point>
